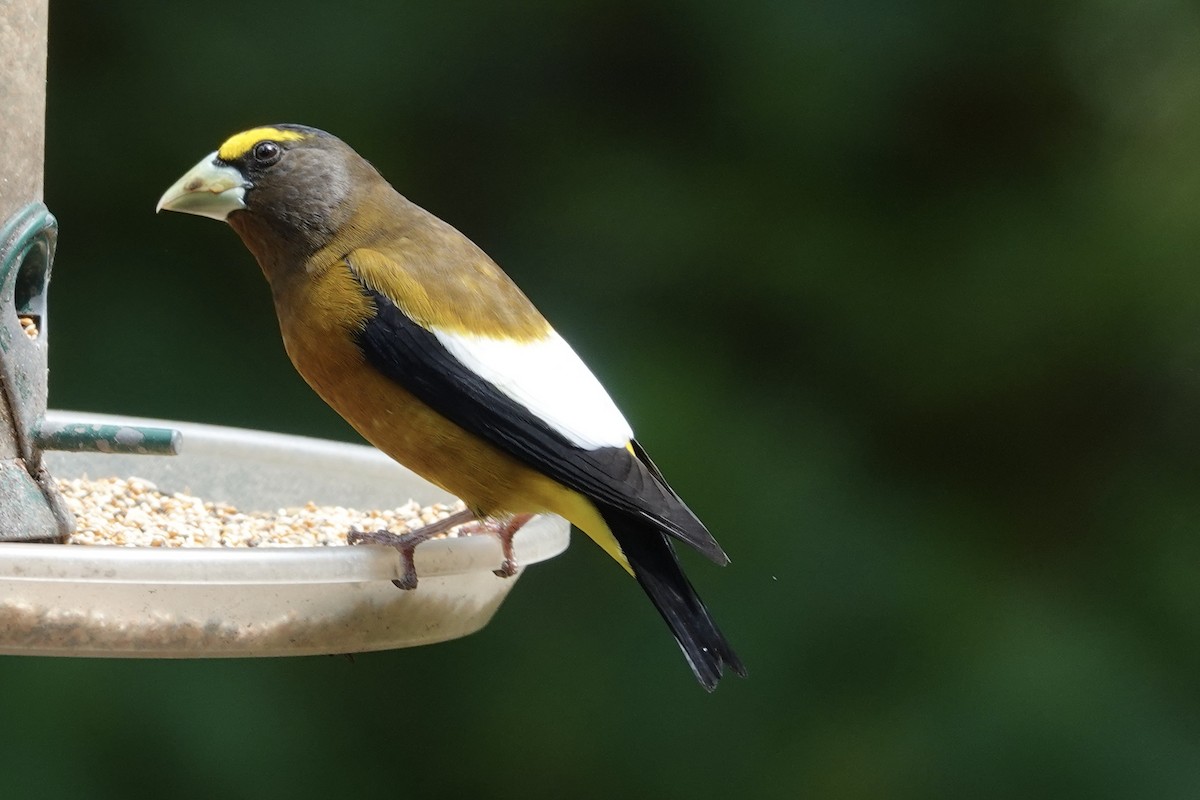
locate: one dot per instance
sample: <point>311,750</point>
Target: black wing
<point>413,357</point>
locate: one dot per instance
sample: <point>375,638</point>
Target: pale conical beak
<point>209,189</point>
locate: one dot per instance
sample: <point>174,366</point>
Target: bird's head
<point>286,182</point>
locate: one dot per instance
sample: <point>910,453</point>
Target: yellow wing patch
<point>239,144</point>
<point>469,301</point>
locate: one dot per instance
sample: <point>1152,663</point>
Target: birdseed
<point>134,513</point>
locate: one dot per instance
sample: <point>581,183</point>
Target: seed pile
<point>29,325</point>
<point>134,513</point>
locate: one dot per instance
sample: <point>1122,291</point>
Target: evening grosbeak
<point>418,339</point>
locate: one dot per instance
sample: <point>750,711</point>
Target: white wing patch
<point>548,378</point>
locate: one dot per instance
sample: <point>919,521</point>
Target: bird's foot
<point>406,543</point>
<point>503,529</point>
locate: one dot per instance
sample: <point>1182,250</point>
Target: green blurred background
<point>902,296</point>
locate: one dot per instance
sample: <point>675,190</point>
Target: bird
<point>432,353</point>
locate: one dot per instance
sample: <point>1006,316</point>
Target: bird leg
<point>503,529</point>
<point>406,543</point>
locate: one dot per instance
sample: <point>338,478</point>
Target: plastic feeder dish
<point>96,600</point>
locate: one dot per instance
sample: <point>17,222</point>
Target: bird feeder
<point>58,599</point>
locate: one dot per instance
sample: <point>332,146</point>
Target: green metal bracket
<point>31,508</point>
<point>78,437</point>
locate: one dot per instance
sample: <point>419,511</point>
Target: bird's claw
<point>406,543</point>
<point>504,530</point>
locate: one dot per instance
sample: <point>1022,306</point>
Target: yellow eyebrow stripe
<point>239,144</point>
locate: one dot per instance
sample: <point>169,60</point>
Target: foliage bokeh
<point>902,297</point>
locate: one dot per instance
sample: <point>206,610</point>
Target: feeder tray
<point>94,600</point>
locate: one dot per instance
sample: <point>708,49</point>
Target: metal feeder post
<point>31,509</point>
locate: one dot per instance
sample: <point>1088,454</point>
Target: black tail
<point>657,569</point>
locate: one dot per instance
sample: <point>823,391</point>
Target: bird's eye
<point>267,153</point>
